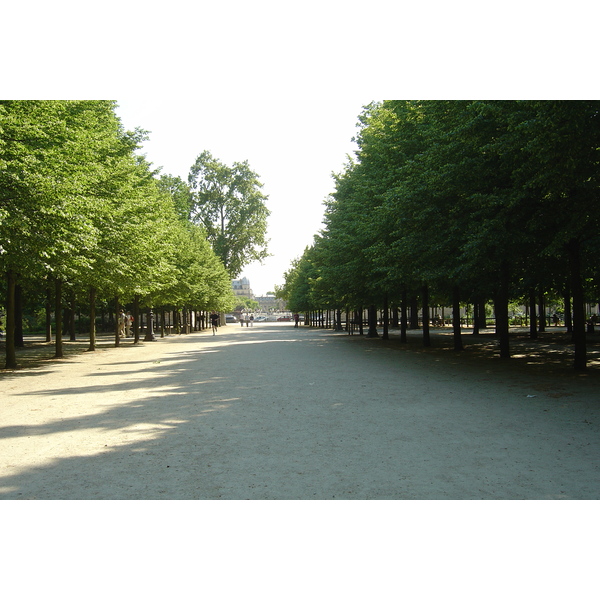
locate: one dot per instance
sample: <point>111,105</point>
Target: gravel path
<point>274,412</point>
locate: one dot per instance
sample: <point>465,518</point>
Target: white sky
<point>293,146</point>
<point>282,84</point>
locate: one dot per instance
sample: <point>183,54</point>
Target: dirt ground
<point>275,412</point>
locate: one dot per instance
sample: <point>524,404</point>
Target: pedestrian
<point>122,323</point>
<point>214,319</point>
<point>296,319</point>
<point>251,320</point>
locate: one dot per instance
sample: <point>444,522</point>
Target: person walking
<point>214,319</point>
<point>296,319</point>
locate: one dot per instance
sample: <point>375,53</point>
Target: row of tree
<point>83,213</point>
<point>452,202</point>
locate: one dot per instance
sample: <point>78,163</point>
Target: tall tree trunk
<point>414,313</point>
<point>58,318</point>
<point>72,311</point>
<point>482,315</point>
<point>533,331</point>
<point>372,322</point>
<point>476,317</point>
<point>458,345</point>
<point>92,346</point>
<point>386,318</point>
<point>425,299</point>
<point>568,314</point>
<point>11,350</point>
<point>579,337</point>
<point>48,307</point>
<point>501,310</point>
<point>403,318</point>
<point>542,305</point>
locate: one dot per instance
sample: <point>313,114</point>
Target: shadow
<point>184,395</point>
<point>277,413</point>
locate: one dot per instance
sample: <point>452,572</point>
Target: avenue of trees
<point>462,202</point>
<point>85,220</point>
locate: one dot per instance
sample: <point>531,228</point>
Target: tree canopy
<point>80,208</point>
<point>477,200</point>
<point>228,203</point>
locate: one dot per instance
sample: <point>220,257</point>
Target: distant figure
<point>251,320</point>
<point>241,320</point>
<point>122,323</point>
<point>128,324</point>
<point>214,319</point>
<point>555,319</point>
<point>296,319</point>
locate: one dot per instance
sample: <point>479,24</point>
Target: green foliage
<point>228,203</point>
<point>79,206</point>
<point>493,198</point>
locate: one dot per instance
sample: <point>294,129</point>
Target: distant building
<point>270,303</point>
<point>241,287</point>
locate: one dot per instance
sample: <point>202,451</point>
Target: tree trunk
<point>458,345</point>
<point>11,350</point>
<point>414,313</point>
<point>425,300</point>
<point>72,311</point>
<point>533,331</point>
<point>579,337</point>
<point>476,318</point>
<point>92,346</point>
<point>568,315</point>
<point>48,307</point>
<point>542,305</point>
<point>482,315</point>
<point>403,318</point>
<point>372,322</point>
<point>501,310</point>
<point>386,318</point>
<point>58,318</point>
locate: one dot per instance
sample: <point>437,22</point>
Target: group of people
<point>248,319</point>
<point>125,323</point>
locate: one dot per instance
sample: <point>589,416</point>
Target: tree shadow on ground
<point>549,355</point>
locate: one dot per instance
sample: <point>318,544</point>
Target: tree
<point>229,204</point>
<point>49,158</point>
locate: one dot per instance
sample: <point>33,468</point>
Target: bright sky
<point>293,145</point>
<point>281,84</point>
